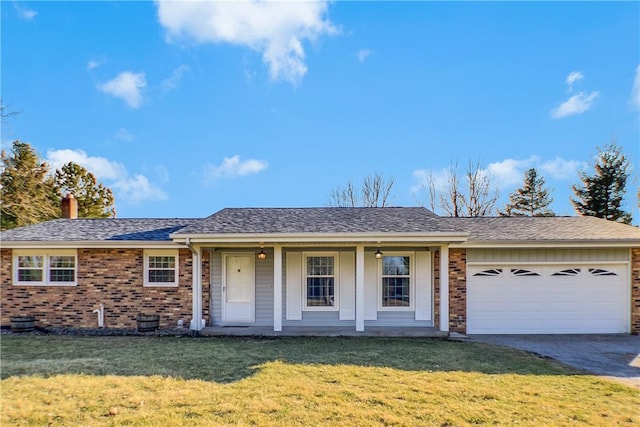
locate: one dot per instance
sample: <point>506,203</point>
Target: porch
<point>299,331</point>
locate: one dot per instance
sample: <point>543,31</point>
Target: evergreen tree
<point>94,199</point>
<point>530,200</point>
<point>26,190</point>
<point>601,194</point>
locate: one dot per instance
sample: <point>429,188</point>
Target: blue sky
<point>186,108</point>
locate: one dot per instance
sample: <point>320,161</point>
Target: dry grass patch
<point>305,381</point>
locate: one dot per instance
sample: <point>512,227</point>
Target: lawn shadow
<point>231,359</point>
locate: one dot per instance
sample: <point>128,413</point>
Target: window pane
<point>30,261</point>
<point>162,276</point>
<point>320,292</point>
<point>26,275</point>
<point>62,275</point>
<point>162,262</point>
<point>320,266</point>
<point>63,261</point>
<point>395,266</point>
<point>395,292</point>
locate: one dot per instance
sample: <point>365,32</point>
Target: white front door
<point>238,288</point>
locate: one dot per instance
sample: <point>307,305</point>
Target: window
<point>45,268</point>
<point>320,289</point>
<point>161,268</point>
<point>521,272</point>
<point>396,281</point>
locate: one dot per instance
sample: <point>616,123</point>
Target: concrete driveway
<point>613,356</point>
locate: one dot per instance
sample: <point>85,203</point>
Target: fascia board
<point>515,244</point>
<point>321,237</point>
<point>95,244</point>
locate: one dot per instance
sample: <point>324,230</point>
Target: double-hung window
<point>320,289</point>
<point>161,267</point>
<point>45,267</point>
<point>396,286</point>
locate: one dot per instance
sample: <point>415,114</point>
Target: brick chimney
<point>69,206</point>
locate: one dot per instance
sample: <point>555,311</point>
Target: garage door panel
<point>560,299</point>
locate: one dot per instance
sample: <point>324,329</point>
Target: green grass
<point>61,380</point>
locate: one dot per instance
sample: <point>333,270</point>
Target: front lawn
<point>62,380</point>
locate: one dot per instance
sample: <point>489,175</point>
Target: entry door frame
<point>223,292</point>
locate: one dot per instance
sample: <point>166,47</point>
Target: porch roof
<point>321,225</point>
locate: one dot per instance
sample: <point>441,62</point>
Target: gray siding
<point>397,318</point>
<point>264,287</point>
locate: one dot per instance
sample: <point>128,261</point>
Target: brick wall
<point>635,291</point>
<point>113,277</point>
<point>458,290</point>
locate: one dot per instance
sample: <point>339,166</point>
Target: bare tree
<point>375,191</point>
<point>5,112</point>
<point>452,200</point>
<point>482,196</point>
<point>473,195</point>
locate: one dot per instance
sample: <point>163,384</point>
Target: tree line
<point>30,193</point>
<point>600,194</point>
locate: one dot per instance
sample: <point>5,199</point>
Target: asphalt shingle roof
<point>85,229</point>
<point>543,229</point>
<point>318,220</point>
<point>327,220</point>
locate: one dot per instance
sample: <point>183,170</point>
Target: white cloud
<point>127,86</point>
<point>573,77</point>
<point>507,173</point>
<point>363,54</point>
<point>562,169</point>
<point>24,12</point>
<point>134,189</point>
<point>577,104</point>
<point>635,90</point>
<point>138,189</point>
<point>275,29</point>
<point>124,135</point>
<point>173,81</point>
<point>232,167</point>
<point>92,64</point>
<point>440,179</point>
<point>511,171</point>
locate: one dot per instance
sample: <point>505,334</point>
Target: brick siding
<point>113,277</point>
<point>635,291</point>
<point>458,290</point>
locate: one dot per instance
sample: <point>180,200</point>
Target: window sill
<point>160,285</point>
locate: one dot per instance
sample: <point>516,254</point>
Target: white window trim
<point>336,281</point>
<point>412,282</point>
<point>161,252</point>
<point>46,256</point>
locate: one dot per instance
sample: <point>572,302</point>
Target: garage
<point>548,298</point>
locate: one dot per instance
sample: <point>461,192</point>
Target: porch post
<point>444,288</point>
<point>196,288</point>
<point>277,288</point>
<point>360,288</point>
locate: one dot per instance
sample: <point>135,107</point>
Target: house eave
<point>297,238</point>
<point>566,243</point>
<point>93,244</point>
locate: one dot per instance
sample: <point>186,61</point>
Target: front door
<point>238,288</point>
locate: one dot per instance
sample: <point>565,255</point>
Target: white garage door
<point>547,299</point>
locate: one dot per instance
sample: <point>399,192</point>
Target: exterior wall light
<point>262,255</point>
<point>378,254</point>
